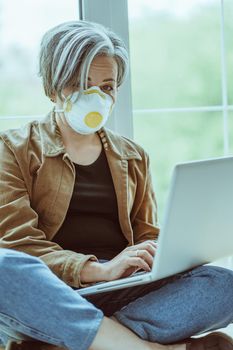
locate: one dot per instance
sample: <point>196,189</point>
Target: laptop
<point>197,226</point>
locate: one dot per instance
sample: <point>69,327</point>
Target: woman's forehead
<point>103,67</point>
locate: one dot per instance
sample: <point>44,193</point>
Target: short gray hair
<point>68,50</point>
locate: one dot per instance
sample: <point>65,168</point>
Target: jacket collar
<point>121,146</point>
<point>52,143</point>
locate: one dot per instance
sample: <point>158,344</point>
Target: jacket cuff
<point>80,267</point>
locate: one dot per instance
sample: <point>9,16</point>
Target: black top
<point>92,224</point>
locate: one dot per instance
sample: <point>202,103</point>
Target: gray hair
<point>68,50</point>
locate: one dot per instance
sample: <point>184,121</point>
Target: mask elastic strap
<point>62,109</point>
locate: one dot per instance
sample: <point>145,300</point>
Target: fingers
<point>146,256</point>
<point>150,246</point>
<point>141,254</point>
<point>139,263</point>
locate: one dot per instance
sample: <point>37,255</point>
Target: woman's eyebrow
<point>108,79</point>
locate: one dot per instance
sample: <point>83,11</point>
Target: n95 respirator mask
<point>88,111</point>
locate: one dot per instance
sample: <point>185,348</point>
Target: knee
<point>13,262</point>
<point>221,283</point>
<point>7,256</point>
<point>18,269</point>
<point>219,277</point>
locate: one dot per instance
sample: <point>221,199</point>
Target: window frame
<point>115,15</point>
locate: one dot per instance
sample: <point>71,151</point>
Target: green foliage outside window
<point>175,62</point>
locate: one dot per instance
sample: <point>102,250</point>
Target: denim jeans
<point>34,303</point>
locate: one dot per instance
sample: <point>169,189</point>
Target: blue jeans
<point>34,303</point>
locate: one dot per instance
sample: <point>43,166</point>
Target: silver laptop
<point>197,226</point>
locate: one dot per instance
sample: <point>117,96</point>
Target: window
<point>22,24</point>
<point>181,66</point>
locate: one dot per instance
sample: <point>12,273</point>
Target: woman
<point>74,193</point>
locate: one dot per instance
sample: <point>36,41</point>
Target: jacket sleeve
<point>144,221</point>
<point>19,224</point>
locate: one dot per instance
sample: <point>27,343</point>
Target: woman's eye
<point>107,88</point>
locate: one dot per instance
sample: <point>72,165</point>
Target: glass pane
<point>175,138</point>
<point>228,15</point>
<point>175,53</point>
<point>231,132</point>
<point>22,24</point>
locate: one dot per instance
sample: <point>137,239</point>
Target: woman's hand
<point>131,259</point>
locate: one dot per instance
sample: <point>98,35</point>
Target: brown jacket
<point>36,185</point>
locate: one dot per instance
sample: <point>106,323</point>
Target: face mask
<point>88,111</point>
